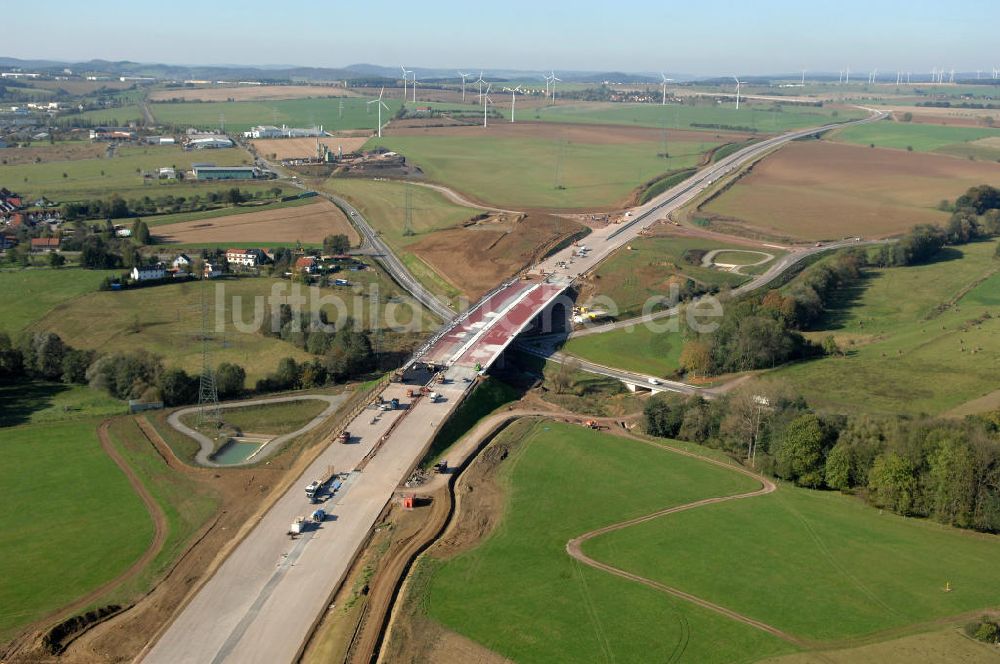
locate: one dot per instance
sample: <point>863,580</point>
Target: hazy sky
<point>693,36</point>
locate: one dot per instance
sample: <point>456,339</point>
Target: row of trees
<point>116,207</point>
<point>944,470</point>
<point>141,375</point>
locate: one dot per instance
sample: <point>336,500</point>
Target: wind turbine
<point>486,102</point>
<point>847,78</point>
<point>480,83</point>
<point>380,106</point>
<point>738,83</point>
<point>513,99</point>
<point>414,85</point>
<point>803,83</point>
<point>464,76</point>
<point>548,81</point>
<point>405,72</point>
<point>554,79</point>
<point>665,79</point>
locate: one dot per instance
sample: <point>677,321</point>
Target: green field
<point>39,402</point>
<point>117,117</point>
<point>820,565</point>
<point>70,520</point>
<point>383,205</point>
<point>241,115</point>
<point>40,290</point>
<point>165,320</point>
<point>544,172</point>
<point>636,349</point>
<point>122,174</point>
<point>519,594</point>
<point>186,504</point>
<point>631,276</point>
<point>919,136</point>
<point>761,117</point>
<point>902,356</point>
<point>274,419</point>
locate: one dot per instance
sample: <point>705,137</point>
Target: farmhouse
<point>148,273</point>
<point>43,244</point>
<point>245,257</point>
<point>181,261</point>
<point>305,264</point>
<point>226,172</point>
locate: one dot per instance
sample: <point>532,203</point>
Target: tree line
<point>116,207</point>
<point>948,471</point>
<point>141,375</point>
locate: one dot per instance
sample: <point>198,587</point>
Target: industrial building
<point>270,131</point>
<point>209,141</point>
<point>202,172</point>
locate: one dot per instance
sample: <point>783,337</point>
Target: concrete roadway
<point>261,603</point>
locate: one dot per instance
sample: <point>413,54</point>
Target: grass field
<point>904,356</point>
<point>519,594</point>
<point>383,205</point>
<point>819,565</point>
<point>70,520</point>
<point>531,165</point>
<point>636,349</point>
<point>760,117</point>
<point>38,402</point>
<point>241,115</point>
<point>631,277</point>
<point>40,290</point>
<point>273,419</point>
<point>122,174</point>
<point>186,504</point>
<point>921,137</point>
<point>116,117</point>
<point>947,646</point>
<point>820,190</point>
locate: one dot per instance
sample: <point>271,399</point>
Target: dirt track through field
<point>159,539</point>
<point>575,546</point>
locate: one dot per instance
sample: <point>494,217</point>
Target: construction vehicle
<point>318,516</point>
<point>395,404</point>
<point>312,490</point>
<point>297,526</point>
<point>344,436</point>
<point>594,424</point>
<point>441,467</point>
<point>434,397</point>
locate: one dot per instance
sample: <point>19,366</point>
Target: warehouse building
<point>202,172</point>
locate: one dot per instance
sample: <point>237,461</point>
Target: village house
<point>245,257</point>
<point>305,264</point>
<point>148,273</point>
<point>44,244</point>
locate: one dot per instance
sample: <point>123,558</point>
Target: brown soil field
<point>477,258</point>
<point>821,190</point>
<point>306,223</point>
<point>574,133</point>
<point>47,153</point>
<point>290,148</point>
<point>250,93</point>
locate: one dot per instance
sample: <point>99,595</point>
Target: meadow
<point>119,116</point>
<point>918,136</point>
<point>240,116</point>
<point>71,522</point>
<point>821,190</point>
<point>761,117</point>
<point>650,265</point>
<point>913,338</point>
<point>530,165</point>
<point>272,419</point>
<point>820,565</point>
<point>40,290</point>
<point>122,174</point>
<point>638,349</point>
<point>39,402</point>
<point>180,217</point>
<point>519,594</point>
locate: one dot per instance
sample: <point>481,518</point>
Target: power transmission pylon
<point>208,394</point>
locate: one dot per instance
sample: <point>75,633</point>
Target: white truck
<point>312,489</point>
<point>297,526</point>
